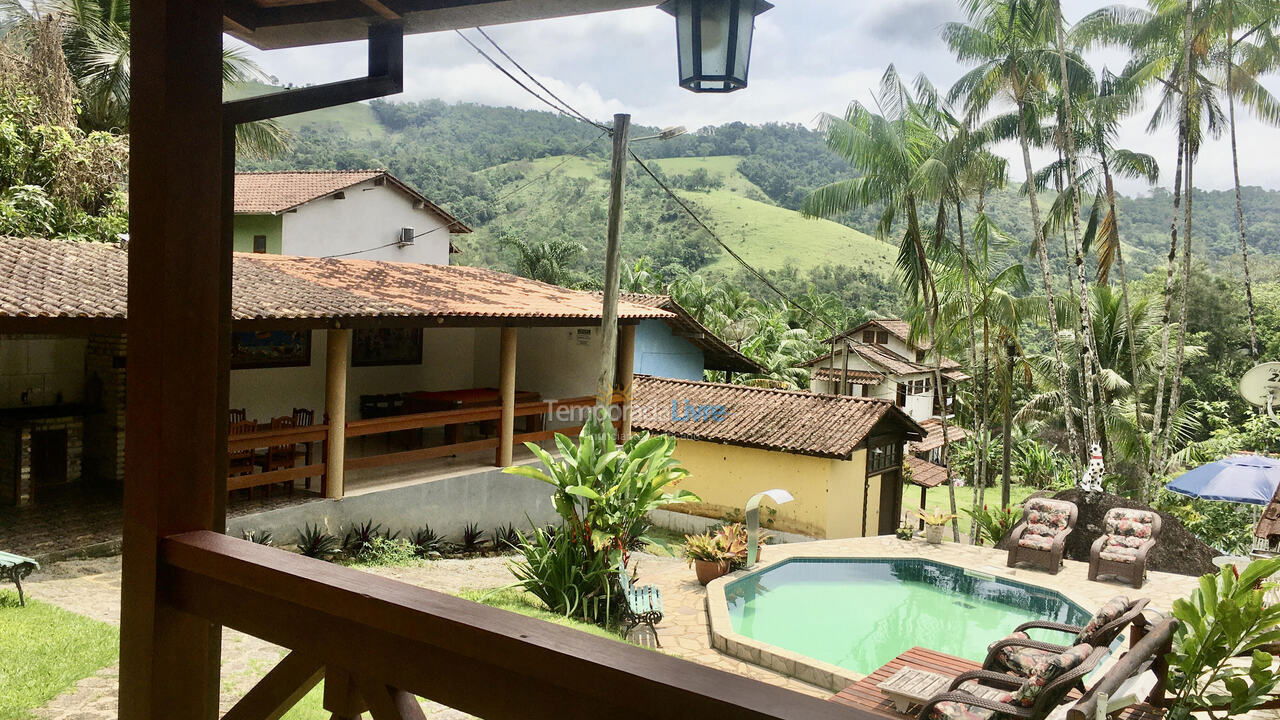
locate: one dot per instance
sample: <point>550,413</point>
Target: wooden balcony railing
<point>378,643</point>
<point>390,424</point>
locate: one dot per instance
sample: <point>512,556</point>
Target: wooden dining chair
<point>237,415</point>
<point>304,417</point>
<point>281,457</point>
<point>241,462</point>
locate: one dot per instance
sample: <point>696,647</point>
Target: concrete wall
<point>661,354</point>
<point>487,497</point>
<point>246,226</point>
<point>367,217</point>
<point>36,369</point>
<point>828,493</point>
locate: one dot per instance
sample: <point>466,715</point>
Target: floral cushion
<point>1049,671</point>
<point>1117,552</point>
<point>1106,614</point>
<point>965,711</point>
<point>1036,542</point>
<point>1021,660</point>
<point>1125,522</point>
<point>1045,518</point>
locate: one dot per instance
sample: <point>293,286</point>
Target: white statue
<point>1091,481</point>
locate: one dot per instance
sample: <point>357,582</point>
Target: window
<point>260,243</point>
<point>902,394</point>
<point>920,356</point>
<point>883,454</point>
<point>882,337</point>
<point>869,336</point>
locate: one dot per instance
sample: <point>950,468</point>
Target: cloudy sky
<point>810,57</point>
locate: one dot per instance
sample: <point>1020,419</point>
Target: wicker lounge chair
<point>1030,698</point>
<point>1019,654</point>
<point>1043,532</point>
<point>1127,537</point>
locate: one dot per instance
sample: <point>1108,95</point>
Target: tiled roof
<point>893,363</point>
<point>260,193</point>
<point>791,421</point>
<point>716,353</point>
<point>933,440</point>
<point>857,377</point>
<point>926,474</point>
<point>49,279</point>
<point>899,328</point>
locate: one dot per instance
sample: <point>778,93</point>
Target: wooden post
<point>337,357</point>
<point>507,390</point>
<point>844,372</point>
<point>181,172</point>
<point>612,260</point>
<point>626,375</point>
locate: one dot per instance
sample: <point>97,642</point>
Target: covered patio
<point>343,372</point>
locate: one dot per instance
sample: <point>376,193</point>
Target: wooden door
<point>890,501</point>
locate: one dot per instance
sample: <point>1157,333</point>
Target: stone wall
<point>105,372</point>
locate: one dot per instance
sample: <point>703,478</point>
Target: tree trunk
<point>1042,255</point>
<point>1007,451</point>
<point>1235,169</point>
<point>979,460</point>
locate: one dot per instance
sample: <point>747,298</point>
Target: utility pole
<point>612,260</point>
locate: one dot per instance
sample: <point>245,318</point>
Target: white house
<point>879,359</point>
<point>364,214</point>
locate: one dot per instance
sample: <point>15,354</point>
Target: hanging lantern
<point>714,41</point>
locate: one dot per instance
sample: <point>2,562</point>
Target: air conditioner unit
<point>406,236</point>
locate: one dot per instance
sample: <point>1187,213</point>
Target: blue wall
<point>662,354</point>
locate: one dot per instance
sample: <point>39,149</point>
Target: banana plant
<point>1225,621</point>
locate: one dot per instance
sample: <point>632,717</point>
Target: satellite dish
<point>1261,385</point>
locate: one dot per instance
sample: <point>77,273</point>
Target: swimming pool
<point>860,613</point>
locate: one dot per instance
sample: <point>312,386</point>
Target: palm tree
<point>96,44</point>
<point>547,261</point>
<point>1009,42</point>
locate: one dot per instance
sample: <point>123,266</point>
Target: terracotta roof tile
<point>926,474</point>
<point>784,420</point>
<point>260,193</point>
<point>933,440</point>
<point>44,279</point>
<point>857,377</point>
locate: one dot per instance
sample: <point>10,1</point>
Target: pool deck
<point>1072,582</point>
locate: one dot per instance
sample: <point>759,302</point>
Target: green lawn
<point>311,706</point>
<point>938,499</point>
<point>44,650</point>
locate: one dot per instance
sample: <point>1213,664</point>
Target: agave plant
<point>259,538</point>
<point>359,539</point>
<point>472,538</point>
<point>427,542</point>
<point>316,542</point>
<point>506,537</point>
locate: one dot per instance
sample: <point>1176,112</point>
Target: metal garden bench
<point>14,568</point>
<point>643,604</point>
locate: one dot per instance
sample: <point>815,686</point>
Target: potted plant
<point>707,556</point>
<point>934,522</point>
<point>905,532</point>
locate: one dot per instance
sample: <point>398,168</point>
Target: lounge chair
<point>1020,655</point>
<point>1127,537</point>
<point>1043,532</point>
<point>1030,698</point>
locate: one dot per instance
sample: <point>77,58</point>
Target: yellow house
<point>839,456</point>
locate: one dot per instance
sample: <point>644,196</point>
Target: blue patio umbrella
<point>1240,478</point>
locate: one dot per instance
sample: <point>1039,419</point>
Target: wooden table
<point>438,400</point>
<point>866,694</point>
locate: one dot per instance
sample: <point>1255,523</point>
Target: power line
<point>567,110</point>
<point>536,81</point>
<point>497,199</point>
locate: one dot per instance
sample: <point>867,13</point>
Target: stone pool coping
<point>1071,583</point>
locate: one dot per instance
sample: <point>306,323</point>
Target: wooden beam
<point>383,10</point>
<point>181,172</point>
<point>279,690</point>
<point>626,375</point>
<point>408,456</point>
<point>337,357</point>
<point>476,659</point>
<point>387,703</point>
<point>242,482</point>
<point>507,390</point>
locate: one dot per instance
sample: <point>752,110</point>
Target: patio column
<point>337,354</point>
<point>181,170</point>
<point>507,390</point>
<point>626,375</point>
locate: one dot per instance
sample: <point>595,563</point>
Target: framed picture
<point>270,348</point>
<point>386,346</point>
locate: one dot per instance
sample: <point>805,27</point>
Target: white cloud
<point>810,56</point>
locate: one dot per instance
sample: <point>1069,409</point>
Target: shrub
<point>993,524</point>
<point>725,543</point>
<point>568,575</point>
<point>505,538</point>
<point>472,538</point>
<point>389,552</point>
<point>427,542</point>
<point>1224,619</point>
<point>359,539</point>
<point>316,542</point>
